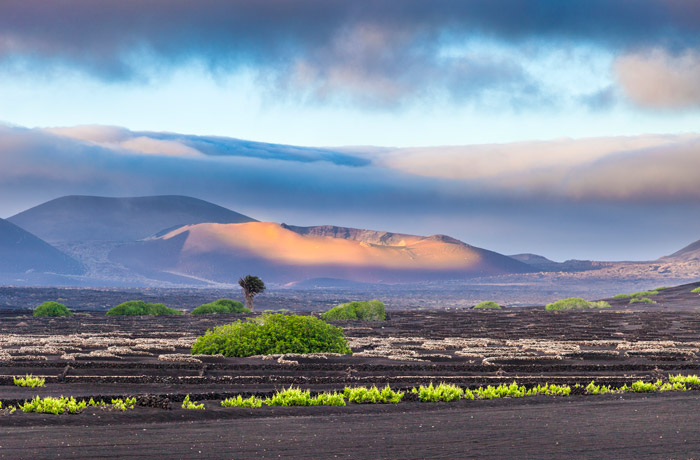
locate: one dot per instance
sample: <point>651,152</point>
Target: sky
<point>568,129</point>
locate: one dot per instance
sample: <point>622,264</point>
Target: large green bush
<point>575,303</point>
<point>52,309</point>
<point>488,305</point>
<point>272,334</point>
<point>359,310</point>
<point>221,306</point>
<point>139,308</point>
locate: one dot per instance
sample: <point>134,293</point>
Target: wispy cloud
<point>376,53</point>
<point>173,144</point>
<point>623,169</point>
<point>639,168</point>
<point>658,79</point>
<point>120,138</point>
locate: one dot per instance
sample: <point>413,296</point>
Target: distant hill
<point>534,259</point>
<point>21,252</point>
<point>282,254</point>
<point>93,218</point>
<point>543,264</point>
<point>688,253</point>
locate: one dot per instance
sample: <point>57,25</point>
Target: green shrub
<point>575,303</point>
<point>645,387</point>
<point>29,381</point>
<point>118,404</point>
<point>641,300</point>
<point>692,379</point>
<point>501,391</point>
<point>374,395</point>
<point>696,290</point>
<point>52,309</point>
<point>51,405</point>
<point>187,404</point>
<point>637,294</point>
<point>140,308</point>
<point>57,406</point>
<point>329,399</point>
<point>550,390</point>
<point>488,305</point>
<point>290,397</point>
<point>221,306</point>
<point>272,334</point>
<point>442,392</point>
<point>593,389</point>
<point>373,310</point>
<point>238,401</point>
<point>672,387</point>
<point>298,397</point>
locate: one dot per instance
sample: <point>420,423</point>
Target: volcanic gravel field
<point>92,355</point>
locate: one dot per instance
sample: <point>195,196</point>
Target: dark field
<point>90,355</point>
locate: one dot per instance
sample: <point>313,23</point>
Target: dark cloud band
<point>375,52</point>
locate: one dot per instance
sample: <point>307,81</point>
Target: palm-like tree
<point>252,285</point>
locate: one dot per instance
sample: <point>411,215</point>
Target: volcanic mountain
<point>534,260</point>
<point>20,251</point>
<point>93,218</point>
<point>544,264</point>
<point>687,254</point>
<point>281,253</point>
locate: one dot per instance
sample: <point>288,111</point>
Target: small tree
<point>252,286</point>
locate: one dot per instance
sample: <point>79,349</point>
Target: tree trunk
<point>248,300</point>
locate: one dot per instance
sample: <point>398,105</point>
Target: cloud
<point>659,168</point>
<point>172,144</point>
<point>663,173</point>
<point>377,66</point>
<point>39,163</point>
<point>374,53</point>
<point>120,138</point>
<point>659,79</point>
<point>647,167</point>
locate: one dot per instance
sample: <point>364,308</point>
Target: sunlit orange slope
<point>279,244</point>
<point>285,253</point>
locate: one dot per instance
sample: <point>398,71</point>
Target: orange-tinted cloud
<point>120,138</point>
<point>636,168</point>
<point>659,79</point>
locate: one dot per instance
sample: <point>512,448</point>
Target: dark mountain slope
<point>92,218</point>
<point>688,253</point>
<point>20,251</point>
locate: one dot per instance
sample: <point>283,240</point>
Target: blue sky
<point>566,114</point>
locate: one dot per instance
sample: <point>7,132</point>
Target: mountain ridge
<point>284,254</point>
<point>686,254</point>
<point>96,218</point>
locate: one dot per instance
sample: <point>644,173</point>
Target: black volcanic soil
<point>90,355</point>
<point>635,427</point>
